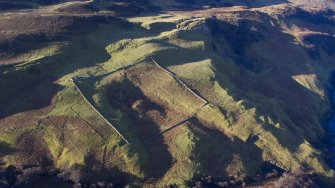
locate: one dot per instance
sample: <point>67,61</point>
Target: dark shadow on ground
<point>281,90</point>
<point>92,173</point>
<point>134,105</point>
<point>31,87</point>
<point>5,149</point>
<point>26,89</point>
<point>268,85</point>
<point>216,151</point>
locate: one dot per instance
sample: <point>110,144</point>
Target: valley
<point>163,93</point>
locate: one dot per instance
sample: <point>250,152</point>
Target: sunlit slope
<point>146,92</point>
<point>236,111</point>
<point>253,85</point>
<point>65,129</point>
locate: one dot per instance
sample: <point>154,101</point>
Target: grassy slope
<point>71,129</point>
<point>171,49</point>
<point>226,128</point>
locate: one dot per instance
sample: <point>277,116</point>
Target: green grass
<point>182,149</point>
<point>215,142</point>
<point>11,137</point>
<point>54,144</point>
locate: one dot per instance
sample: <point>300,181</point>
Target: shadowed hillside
<point>184,93</point>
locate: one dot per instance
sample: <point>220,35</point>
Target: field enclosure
<point>164,97</point>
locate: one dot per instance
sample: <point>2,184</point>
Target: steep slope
<point>161,99</point>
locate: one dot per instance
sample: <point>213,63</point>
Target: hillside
<point>155,93</point>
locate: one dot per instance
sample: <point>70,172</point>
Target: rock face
<point>222,93</point>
